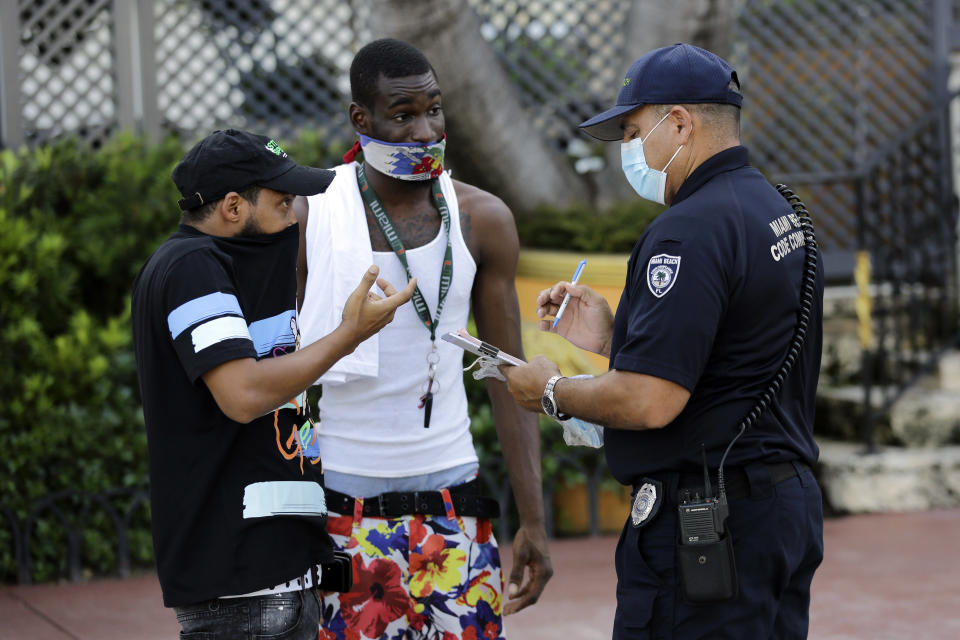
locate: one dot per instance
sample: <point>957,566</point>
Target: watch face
<point>548,407</point>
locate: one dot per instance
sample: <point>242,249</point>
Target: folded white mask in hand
<point>580,433</point>
<point>577,433</point>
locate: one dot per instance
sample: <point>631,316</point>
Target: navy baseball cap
<point>233,160</point>
<point>678,74</point>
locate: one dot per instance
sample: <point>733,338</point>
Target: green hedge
<point>74,227</point>
<point>583,229</point>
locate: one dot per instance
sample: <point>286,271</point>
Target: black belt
<point>466,502</point>
<point>737,482</point>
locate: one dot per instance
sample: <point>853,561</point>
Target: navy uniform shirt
<point>710,303</point>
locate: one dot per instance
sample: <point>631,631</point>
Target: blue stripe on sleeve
<point>272,332</point>
<point>200,309</point>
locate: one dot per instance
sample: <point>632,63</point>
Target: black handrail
<point>74,522</point>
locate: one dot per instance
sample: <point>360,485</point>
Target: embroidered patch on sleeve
<point>662,272</point>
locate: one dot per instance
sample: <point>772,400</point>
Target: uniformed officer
<point>710,305</point>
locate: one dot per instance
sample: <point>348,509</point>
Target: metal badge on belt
<point>646,503</point>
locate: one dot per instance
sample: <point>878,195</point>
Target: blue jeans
<point>282,616</point>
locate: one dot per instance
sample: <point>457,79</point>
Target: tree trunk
<point>705,23</point>
<point>491,142</point>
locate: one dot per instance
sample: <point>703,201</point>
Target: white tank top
<point>373,426</point>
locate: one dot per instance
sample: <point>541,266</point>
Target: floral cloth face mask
<point>401,160</point>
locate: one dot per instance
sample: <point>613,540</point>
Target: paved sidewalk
<point>884,577</point>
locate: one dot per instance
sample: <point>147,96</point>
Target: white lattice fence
<point>66,68</point>
<point>275,65</point>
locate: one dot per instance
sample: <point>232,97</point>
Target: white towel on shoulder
<point>338,253</point>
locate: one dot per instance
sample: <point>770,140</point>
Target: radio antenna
<point>707,489</point>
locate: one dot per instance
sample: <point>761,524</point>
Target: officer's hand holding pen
<point>566,296</point>
<point>587,321</point>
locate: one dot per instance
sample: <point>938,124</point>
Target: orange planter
<point>571,509</point>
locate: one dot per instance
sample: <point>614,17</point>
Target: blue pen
<point>566,298</point>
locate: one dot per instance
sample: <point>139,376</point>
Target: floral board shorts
<point>415,577</point>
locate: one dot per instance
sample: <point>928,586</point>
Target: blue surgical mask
<point>648,183</point>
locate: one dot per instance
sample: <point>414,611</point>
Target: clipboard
<point>467,342</point>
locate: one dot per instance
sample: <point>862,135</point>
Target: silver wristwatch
<point>549,402</point>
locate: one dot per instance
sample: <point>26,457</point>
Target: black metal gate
<point>848,104</point>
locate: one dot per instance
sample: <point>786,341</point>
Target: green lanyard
<point>446,272</point>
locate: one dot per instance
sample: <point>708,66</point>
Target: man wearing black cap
<point>236,496</point>
<point>704,327</point>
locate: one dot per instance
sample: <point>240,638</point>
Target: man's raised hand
<point>365,313</point>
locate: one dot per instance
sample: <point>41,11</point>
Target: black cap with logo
<point>233,160</point>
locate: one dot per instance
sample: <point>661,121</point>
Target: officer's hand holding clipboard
<point>476,346</point>
<point>575,432</point>
<point>493,362</point>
